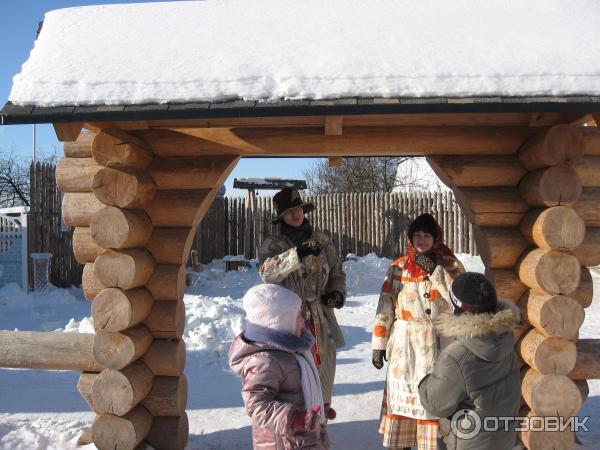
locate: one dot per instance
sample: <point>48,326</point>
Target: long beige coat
<point>310,278</point>
<point>404,326</point>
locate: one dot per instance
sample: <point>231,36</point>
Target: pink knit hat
<point>272,306</point>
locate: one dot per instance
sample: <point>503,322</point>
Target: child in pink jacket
<point>280,382</point>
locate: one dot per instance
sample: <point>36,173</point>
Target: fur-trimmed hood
<point>488,335</point>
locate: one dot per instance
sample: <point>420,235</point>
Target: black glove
<point>310,247</point>
<point>426,262</point>
<point>333,299</point>
<point>378,358</point>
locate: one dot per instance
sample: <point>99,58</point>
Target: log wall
<point>535,252</point>
<point>134,227</point>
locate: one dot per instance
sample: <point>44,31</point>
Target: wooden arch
<point>135,191</point>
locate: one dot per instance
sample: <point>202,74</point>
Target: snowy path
<point>42,409</point>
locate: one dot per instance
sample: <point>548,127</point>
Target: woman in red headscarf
<point>415,291</point>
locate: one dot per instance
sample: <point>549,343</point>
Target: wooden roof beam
<point>359,141</point>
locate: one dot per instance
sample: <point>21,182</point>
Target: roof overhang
<point>15,114</point>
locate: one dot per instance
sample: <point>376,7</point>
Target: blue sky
<point>18,23</point>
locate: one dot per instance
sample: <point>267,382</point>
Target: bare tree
<point>363,174</point>
<point>14,180</point>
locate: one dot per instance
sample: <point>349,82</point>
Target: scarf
<point>311,383</point>
<point>300,347</point>
<point>297,235</point>
<point>442,255</point>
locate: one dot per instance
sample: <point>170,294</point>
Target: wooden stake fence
<point>46,233</point>
<point>358,223</point>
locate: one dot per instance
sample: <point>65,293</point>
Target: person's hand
<point>306,420</point>
<point>310,247</point>
<point>378,357</point>
<point>330,413</point>
<point>426,262</point>
<point>333,299</point>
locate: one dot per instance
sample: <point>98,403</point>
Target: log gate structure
<point>137,179</point>
<point>136,189</point>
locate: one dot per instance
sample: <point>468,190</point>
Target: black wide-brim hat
<point>289,198</point>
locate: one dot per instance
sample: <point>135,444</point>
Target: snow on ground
<point>42,409</point>
<point>211,50</point>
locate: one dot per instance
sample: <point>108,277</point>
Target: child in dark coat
<point>280,382</point>
<point>477,374</point>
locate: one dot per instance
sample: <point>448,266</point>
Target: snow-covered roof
<point>272,50</point>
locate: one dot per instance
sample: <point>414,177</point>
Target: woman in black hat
<point>306,262</point>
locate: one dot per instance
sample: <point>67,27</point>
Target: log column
<point>551,270</point>
<point>136,230</point>
<point>526,210</point>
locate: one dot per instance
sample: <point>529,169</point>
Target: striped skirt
<point>400,431</point>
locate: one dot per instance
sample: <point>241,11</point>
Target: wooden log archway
<point>135,191</point>
<point>135,215</point>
